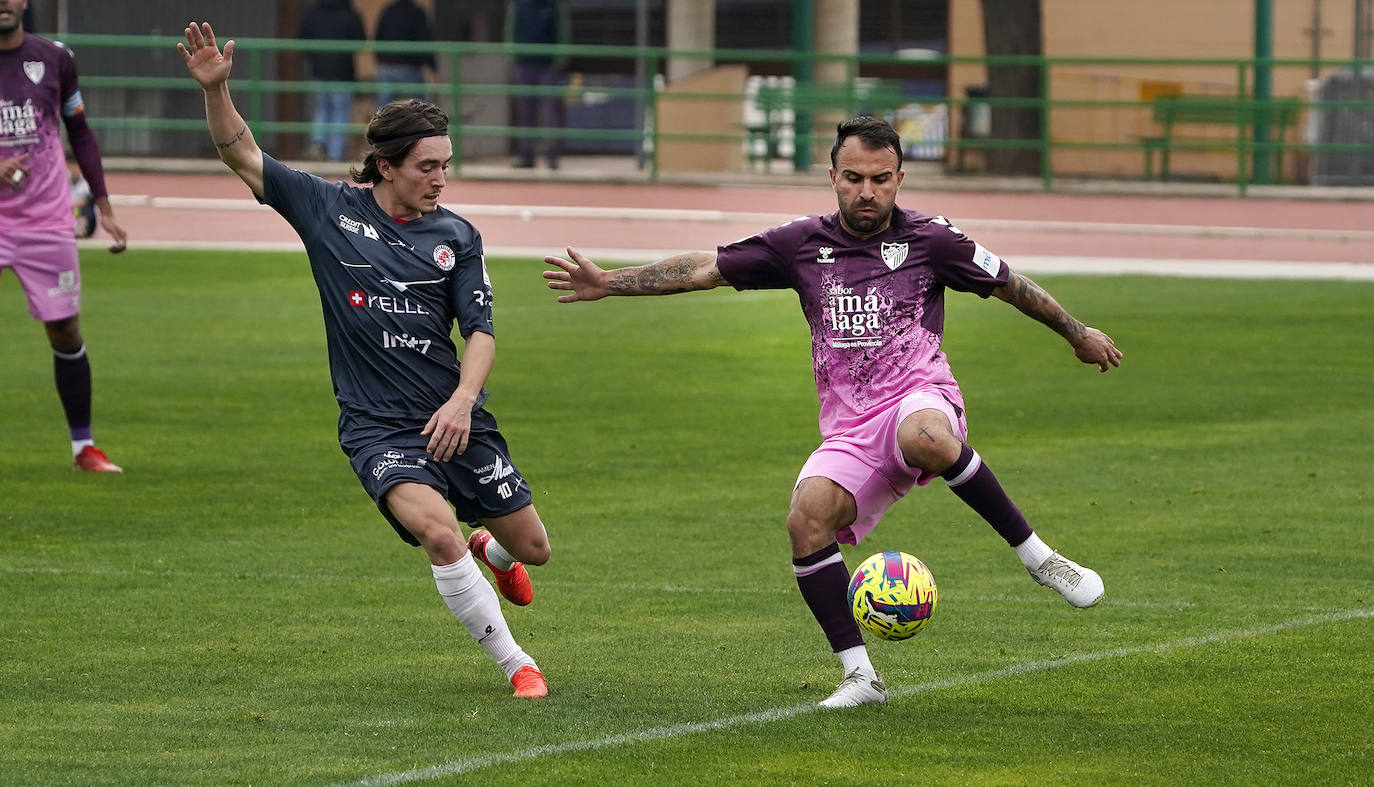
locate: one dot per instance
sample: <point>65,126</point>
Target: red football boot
<point>514,583</point>
<point>95,460</point>
<point>529,683</point>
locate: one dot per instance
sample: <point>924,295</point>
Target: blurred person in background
<point>403,20</point>
<point>331,20</point>
<point>538,22</point>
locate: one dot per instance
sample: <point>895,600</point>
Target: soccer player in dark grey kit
<point>395,271</point>
<point>871,280</point>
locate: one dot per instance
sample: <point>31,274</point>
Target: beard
<point>866,224</point>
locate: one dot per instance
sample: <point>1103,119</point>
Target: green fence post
<point>455,87</point>
<point>1264,50</point>
<point>1242,129</point>
<point>1046,174</point>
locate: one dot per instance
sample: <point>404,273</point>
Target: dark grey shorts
<point>480,483</point>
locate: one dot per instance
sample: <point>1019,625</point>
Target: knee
<point>534,552</point>
<point>929,446</point>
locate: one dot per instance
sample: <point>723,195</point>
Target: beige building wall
<point>1164,29</point>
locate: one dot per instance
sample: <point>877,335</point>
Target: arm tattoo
<point>234,139</point>
<point>926,434</point>
<point>1034,302</point>
<point>673,274</point>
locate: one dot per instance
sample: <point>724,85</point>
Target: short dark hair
<point>875,133</point>
<point>393,132</point>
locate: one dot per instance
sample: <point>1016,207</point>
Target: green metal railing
<point>254,85</point>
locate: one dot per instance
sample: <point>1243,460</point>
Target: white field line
<point>706,216</point>
<point>1069,265</point>
<point>469,764</point>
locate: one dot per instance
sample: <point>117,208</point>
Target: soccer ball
<point>892,595</point>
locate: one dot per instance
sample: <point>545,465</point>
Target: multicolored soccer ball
<point>892,595</point>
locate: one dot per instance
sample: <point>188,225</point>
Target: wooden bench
<point>780,105</point>
<point>1236,112</point>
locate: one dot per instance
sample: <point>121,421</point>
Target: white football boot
<point>858,689</point>
<point>1079,586</point>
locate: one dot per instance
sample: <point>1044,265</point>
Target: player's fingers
<point>229,50</point>
<point>580,258</point>
<point>209,33</point>
<point>568,299</point>
<point>561,263</point>
<point>193,35</point>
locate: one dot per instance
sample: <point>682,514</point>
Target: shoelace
<point>1059,568</point>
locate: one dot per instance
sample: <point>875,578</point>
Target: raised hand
<point>583,279</point>
<point>207,64</point>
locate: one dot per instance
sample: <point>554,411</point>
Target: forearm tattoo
<point>234,139</point>
<point>1033,301</point>
<point>673,274</point>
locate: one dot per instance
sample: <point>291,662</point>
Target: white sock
<point>498,556</point>
<point>77,445</point>
<point>1033,552</point>
<point>473,601</point>
<point>856,658</point>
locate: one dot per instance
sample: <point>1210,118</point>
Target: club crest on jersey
<point>443,257</point>
<point>825,255</point>
<point>34,70</point>
<point>894,254</point>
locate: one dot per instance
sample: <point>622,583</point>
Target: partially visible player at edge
<point>39,95</point>
<point>395,271</point>
<point>871,280</point>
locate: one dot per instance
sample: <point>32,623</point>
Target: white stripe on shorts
<point>973,465</point>
<point>803,571</point>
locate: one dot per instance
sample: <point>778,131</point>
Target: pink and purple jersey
<point>38,88</point>
<point>876,307</point>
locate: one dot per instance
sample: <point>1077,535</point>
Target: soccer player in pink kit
<point>871,280</point>
<point>38,89</point>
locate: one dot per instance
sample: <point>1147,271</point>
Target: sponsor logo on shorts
<point>494,471</point>
<point>66,285</point>
<point>392,459</point>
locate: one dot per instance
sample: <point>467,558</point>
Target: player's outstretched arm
<point>1089,344</point>
<point>233,140</point>
<point>584,280</point>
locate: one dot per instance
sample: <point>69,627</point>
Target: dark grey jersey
<point>391,292</point>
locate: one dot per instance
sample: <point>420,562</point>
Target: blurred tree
<point>1012,27</point>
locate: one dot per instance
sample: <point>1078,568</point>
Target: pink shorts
<point>45,262</point>
<point>868,462</point>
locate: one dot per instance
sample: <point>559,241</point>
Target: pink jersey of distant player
<point>876,307</point>
<point>38,88</point>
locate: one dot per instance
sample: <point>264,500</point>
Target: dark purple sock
<point>824,583</point>
<point>73,373</point>
<point>972,480</point>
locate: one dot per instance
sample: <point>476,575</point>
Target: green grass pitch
<point>232,610</point>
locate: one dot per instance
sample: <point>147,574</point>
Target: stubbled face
<point>11,15</point>
<point>420,179</point>
<point>866,183</point>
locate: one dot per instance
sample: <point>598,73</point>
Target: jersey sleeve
<point>759,262</point>
<point>470,290</point>
<point>961,264</point>
<point>67,83</point>
<point>298,196</point>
